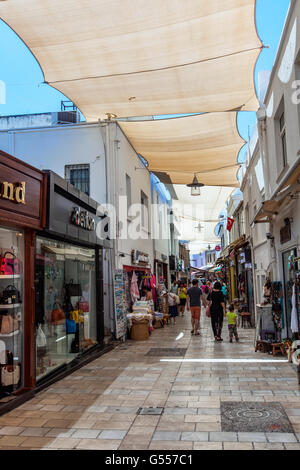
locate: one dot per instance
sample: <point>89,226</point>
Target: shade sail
<point>143,57</point>
<point>205,144</point>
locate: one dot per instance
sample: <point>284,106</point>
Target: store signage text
<point>81,218</point>
<point>13,191</point>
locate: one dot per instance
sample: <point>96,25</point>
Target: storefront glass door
<point>66,319</point>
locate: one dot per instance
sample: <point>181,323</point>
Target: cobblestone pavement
<point>97,406</point>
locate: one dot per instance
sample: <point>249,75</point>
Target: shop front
<point>22,213</point>
<point>69,317</point>
<point>161,268</point>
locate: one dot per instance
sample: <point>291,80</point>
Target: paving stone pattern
<point>205,405</point>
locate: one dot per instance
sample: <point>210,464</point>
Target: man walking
<point>194,296</point>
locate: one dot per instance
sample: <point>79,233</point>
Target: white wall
<point>54,147</point>
<point>124,160</point>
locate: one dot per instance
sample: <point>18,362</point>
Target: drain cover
<point>150,411</point>
<point>170,352</point>
<point>254,417</point>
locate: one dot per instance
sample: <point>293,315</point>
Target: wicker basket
<point>139,330</point>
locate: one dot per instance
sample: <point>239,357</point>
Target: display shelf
<point>5,307</point>
<point>10,276</point>
<point>9,335</point>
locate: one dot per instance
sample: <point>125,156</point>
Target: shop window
<point>66,318</point>
<point>144,210</point>
<point>11,310</point>
<point>281,140</point>
<point>79,176</point>
<point>282,127</point>
<point>128,192</point>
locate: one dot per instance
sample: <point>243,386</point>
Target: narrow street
<point>97,407</point>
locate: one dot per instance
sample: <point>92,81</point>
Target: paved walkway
<point>97,406</point>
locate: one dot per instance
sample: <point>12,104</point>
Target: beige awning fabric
<point>143,57</point>
<point>206,144</point>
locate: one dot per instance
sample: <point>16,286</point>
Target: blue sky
<point>25,92</point>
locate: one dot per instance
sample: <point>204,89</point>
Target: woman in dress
<point>217,309</point>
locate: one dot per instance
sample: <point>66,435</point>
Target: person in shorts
<point>194,297</point>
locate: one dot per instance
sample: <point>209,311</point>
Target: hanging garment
<point>294,315</point>
<point>134,290</point>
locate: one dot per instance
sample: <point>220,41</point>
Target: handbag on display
<point>58,315</point>
<point>10,375</point>
<point>9,324</point>
<point>70,326</point>
<point>83,305</point>
<point>77,316</point>
<point>9,266</point>
<point>73,290</point>
<point>2,352</point>
<point>6,356</point>
<point>10,295</point>
<point>41,340</point>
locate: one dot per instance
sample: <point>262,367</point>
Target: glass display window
<point>11,310</point>
<point>66,315</point>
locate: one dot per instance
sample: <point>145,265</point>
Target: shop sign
<point>138,257</point>
<point>218,248</point>
<point>13,191</point>
<point>82,219</point>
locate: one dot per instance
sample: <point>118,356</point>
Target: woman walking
<point>173,310</point>
<point>217,309</point>
<point>182,293</point>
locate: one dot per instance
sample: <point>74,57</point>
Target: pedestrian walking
<point>232,323</point>
<point>182,293</point>
<point>174,287</point>
<point>225,292</point>
<point>217,310</point>
<point>173,310</point>
<point>194,297</point>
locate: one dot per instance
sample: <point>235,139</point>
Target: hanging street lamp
<point>195,187</point>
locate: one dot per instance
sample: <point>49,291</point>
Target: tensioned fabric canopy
<point>205,144</point>
<point>143,57</point>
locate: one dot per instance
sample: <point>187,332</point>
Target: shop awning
<point>141,57</point>
<point>234,245</point>
<point>266,212</point>
<point>206,144</point>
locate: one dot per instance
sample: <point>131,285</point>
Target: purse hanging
<point>58,315</point>
<point>70,326</point>
<point>73,290</point>
<point>9,266</point>
<point>41,340</point>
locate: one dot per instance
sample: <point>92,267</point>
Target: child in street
<point>232,323</point>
